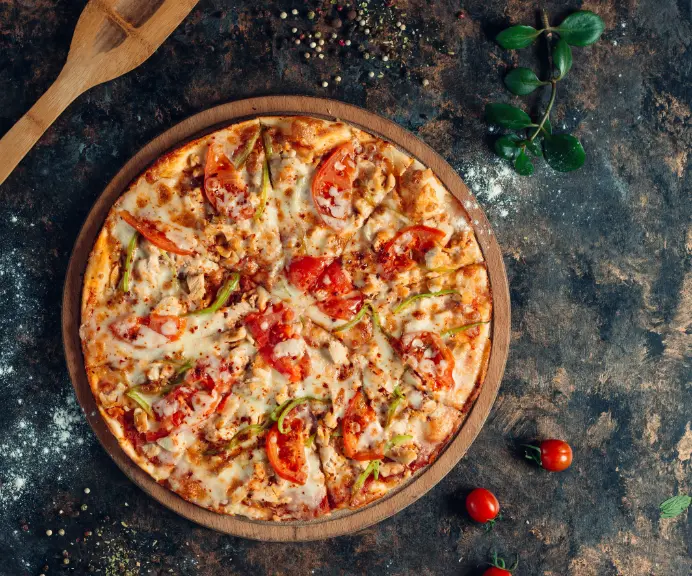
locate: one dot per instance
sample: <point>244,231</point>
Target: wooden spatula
<point>111,38</point>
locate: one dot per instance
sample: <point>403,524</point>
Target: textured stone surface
<point>598,262</point>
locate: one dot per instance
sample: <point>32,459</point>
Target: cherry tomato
<point>482,505</point>
<point>286,452</point>
<point>556,455</point>
<point>224,186</point>
<point>332,184</point>
<point>150,230</point>
<point>303,271</point>
<point>358,416</point>
<point>408,247</point>
<point>171,327</point>
<point>495,571</point>
<point>429,356</point>
<point>129,328</point>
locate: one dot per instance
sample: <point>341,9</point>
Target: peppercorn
<point>336,23</point>
<point>352,15</point>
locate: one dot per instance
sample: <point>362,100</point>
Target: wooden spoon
<point>112,37</point>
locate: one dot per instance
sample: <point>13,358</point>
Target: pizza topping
<point>129,261</point>
<point>249,139</point>
<point>429,356</point>
<point>271,330</point>
<point>151,230</point>
<point>222,296</point>
<point>373,468</point>
<point>463,328</point>
<point>137,329</point>
<point>332,186</point>
<point>394,404</point>
<point>358,423</point>
<point>286,451</point>
<point>304,271</point>
<point>264,191</point>
<point>411,299</point>
<point>287,408</point>
<point>408,248</point>
<point>224,185</point>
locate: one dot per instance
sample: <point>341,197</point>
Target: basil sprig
<point>562,152</point>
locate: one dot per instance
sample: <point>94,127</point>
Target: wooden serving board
<point>341,522</point>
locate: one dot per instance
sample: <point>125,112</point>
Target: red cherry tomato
<point>556,455</point>
<point>482,505</point>
<point>286,452</point>
<point>495,571</point>
<point>304,271</point>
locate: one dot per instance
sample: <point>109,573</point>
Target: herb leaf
<point>563,152</point>
<point>562,56</point>
<point>507,116</point>
<point>517,37</point>
<point>506,146</point>
<point>533,147</point>
<point>547,126</point>
<point>581,28</point>
<point>522,81</point>
<point>675,506</point>
<point>523,164</point>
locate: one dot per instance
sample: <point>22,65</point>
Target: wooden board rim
<point>342,522</point>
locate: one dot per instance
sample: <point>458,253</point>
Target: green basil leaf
<point>506,146</point>
<point>562,56</point>
<point>507,116</point>
<point>533,147</point>
<point>563,152</point>
<point>675,506</point>
<point>523,164</point>
<point>522,81</point>
<point>517,37</point>
<point>581,28</point>
<point>547,126</point>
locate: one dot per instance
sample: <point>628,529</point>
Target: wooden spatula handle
<point>30,127</point>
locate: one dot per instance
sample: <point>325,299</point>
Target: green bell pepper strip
<point>458,329</point>
<point>399,396</point>
<point>357,318</point>
<point>372,468</point>
<point>144,404</point>
<point>291,405</point>
<point>129,262</point>
<point>411,299</point>
<point>240,159</point>
<point>221,298</point>
<point>397,441</point>
<point>252,430</point>
<point>310,440</point>
<point>264,192</point>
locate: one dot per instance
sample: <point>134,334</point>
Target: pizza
<point>284,318</point>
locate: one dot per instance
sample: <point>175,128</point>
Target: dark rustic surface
<point>598,262</point>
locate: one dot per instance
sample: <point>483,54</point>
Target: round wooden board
<point>342,522</point>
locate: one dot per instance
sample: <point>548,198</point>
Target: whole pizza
<point>286,317</point>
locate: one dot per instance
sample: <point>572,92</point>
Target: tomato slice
<point>342,308</point>
<point>286,452</point>
<point>358,416</point>
<point>224,186</point>
<point>172,327</point>
<point>333,182</point>
<point>128,328</point>
<point>429,356</point>
<point>304,271</point>
<point>148,229</point>
<point>407,248</point>
<point>272,327</point>
<point>334,280</point>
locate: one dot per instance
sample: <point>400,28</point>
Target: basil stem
<point>458,329</point>
<point>372,468</point>
<point>291,405</point>
<point>221,298</point>
<point>242,157</point>
<point>129,262</point>
<point>411,299</point>
<point>264,192</point>
<point>144,404</point>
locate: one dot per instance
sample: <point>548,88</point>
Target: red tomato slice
<point>304,271</point>
<point>342,308</point>
<point>286,452</point>
<point>408,247</point>
<point>148,229</point>
<point>271,327</point>
<point>358,416</point>
<point>224,186</point>
<point>429,356</point>
<point>172,327</point>
<point>332,184</point>
<point>335,281</point>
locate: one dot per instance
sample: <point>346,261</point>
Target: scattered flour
<point>495,184</point>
